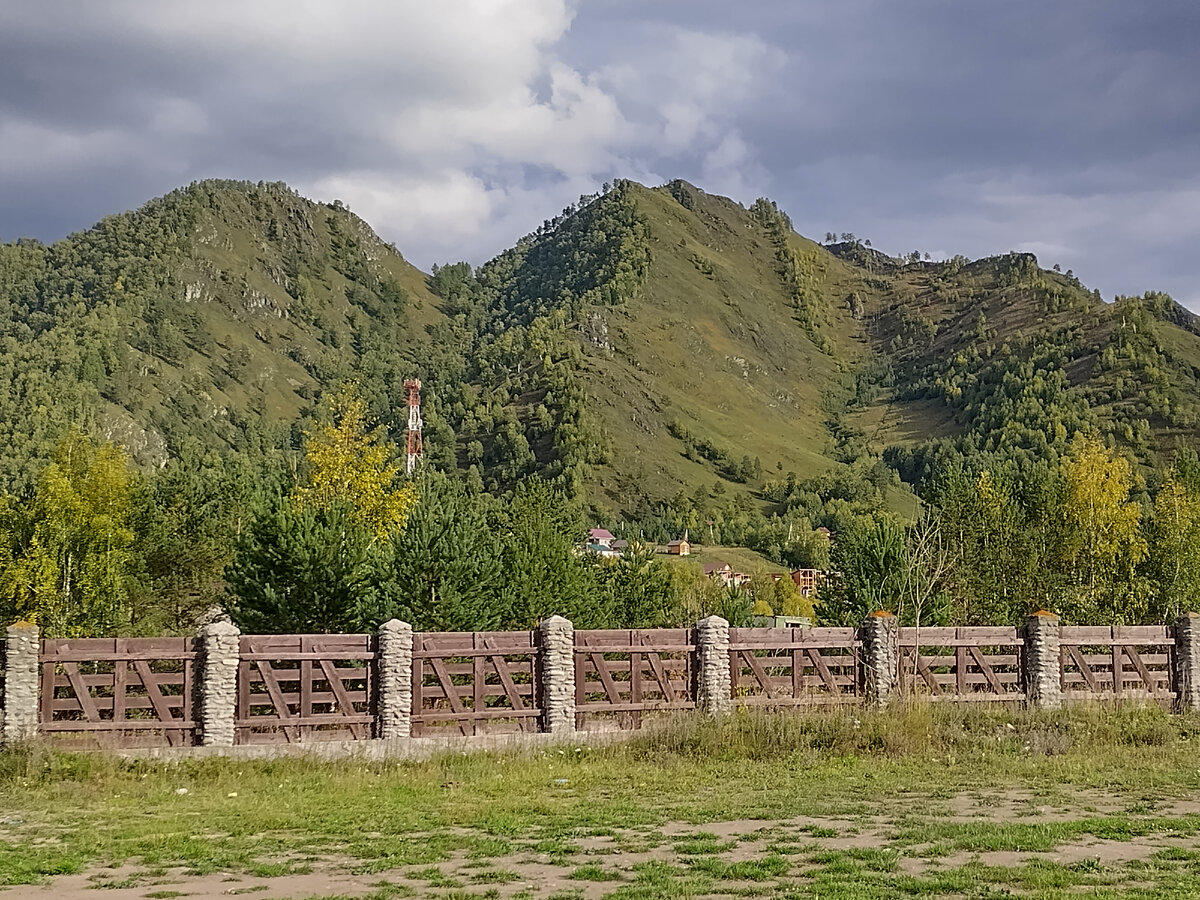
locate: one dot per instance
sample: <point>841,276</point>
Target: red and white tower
<point>413,386</point>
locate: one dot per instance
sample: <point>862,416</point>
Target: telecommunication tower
<point>413,456</point>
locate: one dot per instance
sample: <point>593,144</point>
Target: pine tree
<point>637,590</point>
<point>444,569</point>
<point>301,570</point>
<point>543,574</point>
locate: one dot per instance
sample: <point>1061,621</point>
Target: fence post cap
<point>1043,614</point>
<point>395,625</point>
<point>881,614</point>
<point>556,622</point>
<point>22,625</point>
<point>221,626</point>
<point>714,620</point>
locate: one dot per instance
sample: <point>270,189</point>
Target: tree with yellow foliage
<point>1102,537</point>
<point>349,463</point>
<point>1174,531</point>
<point>317,560</point>
<point>65,557</point>
<point>789,601</point>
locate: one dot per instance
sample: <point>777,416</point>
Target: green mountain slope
<point>713,355</point>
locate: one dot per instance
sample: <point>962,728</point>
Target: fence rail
<point>224,688</point>
<point>475,682</point>
<point>962,664</point>
<point>132,692</point>
<point>794,666</point>
<point>621,676</point>
<point>304,687</point>
<point>1122,661</point>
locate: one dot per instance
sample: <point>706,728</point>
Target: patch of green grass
<point>701,844</point>
<point>556,847</point>
<point>494,876</point>
<point>21,864</point>
<point>594,872</point>
<point>277,869</point>
<point>857,859</point>
<point>1028,837</point>
<point>771,866</point>
<point>435,877</point>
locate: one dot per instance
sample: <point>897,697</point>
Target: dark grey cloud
<point>1066,128</point>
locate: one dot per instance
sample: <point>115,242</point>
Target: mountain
<point>646,344</point>
<point>211,316</point>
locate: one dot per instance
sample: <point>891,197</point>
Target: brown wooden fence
<point>1119,661</point>
<point>962,664</point>
<point>128,692</point>
<point>620,675</point>
<point>304,687</point>
<point>476,682</point>
<point>794,666</point>
<point>144,692</point>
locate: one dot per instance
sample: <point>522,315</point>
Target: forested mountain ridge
<point>1008,360</point>
<point>648,344</point>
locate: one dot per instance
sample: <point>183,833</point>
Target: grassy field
<point>741,559</point>
<point>921,802</point>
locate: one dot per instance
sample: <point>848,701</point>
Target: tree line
<point>1086,536</point>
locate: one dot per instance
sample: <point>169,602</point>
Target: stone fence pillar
<point>714,694</point>
<point>1043,679</point>
<point>220,653</point>
<point>395,679</point>
<point>22,643</point>
<point>557,640</point>
<point>881,652</point>
<point>1187,661</point>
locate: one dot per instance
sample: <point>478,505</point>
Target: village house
<point>723,572</point>
<point>600,541</point>
<point>679,548</point>
<point>718,571</point>
<point>600,537</point>
<point>808,580</point>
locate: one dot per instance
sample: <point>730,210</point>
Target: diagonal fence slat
<point>965,664</point>
<point>621,676</point>
<point>1129,662</point>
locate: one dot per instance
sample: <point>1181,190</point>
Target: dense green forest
<point>203,399</point>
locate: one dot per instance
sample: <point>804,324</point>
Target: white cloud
<point>447,202</point>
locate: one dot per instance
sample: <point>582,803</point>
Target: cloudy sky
<point>1071,129</point>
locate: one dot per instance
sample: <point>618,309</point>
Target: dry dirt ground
<point>966,845</point>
